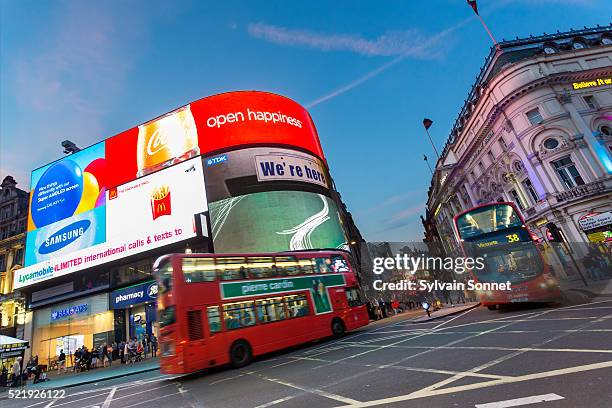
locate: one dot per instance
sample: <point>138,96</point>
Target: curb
<point>4,394</point>
<point>446,315</point>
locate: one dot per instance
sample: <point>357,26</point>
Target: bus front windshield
<point>487,219</point>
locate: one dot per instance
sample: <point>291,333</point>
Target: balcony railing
<point>581,191</point>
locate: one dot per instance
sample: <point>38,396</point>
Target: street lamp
<point>70,147</point>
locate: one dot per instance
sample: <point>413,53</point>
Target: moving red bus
<point>215,309</point>
<point>497,233</point>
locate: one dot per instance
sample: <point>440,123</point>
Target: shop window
<point>237,315</point>
<point>297,305</point>
<point>353,296</point>
<point>534,116</point>
<point>199,270</point>
<point>262,267</point>
<point>214,319</point>
<point>230,268</point>
<point>270,310</point>
<point>287,265</point>
<point>567,172</point>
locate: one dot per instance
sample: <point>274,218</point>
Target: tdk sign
<point>216,160</point>
<point>64,236</point>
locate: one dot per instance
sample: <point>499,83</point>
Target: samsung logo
<point>64,236</point>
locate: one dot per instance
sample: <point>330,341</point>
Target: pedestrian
<point>145,346</point>
<point>16,372</point>
<point>395,306</point>
<point>61,362</point>
<point>383,308</point>
<point>126,352</point>
<point>86,356</point>
<point>94,357</point>
<point>4,377</point>
<point>109,354</point>
<point>153,346</point>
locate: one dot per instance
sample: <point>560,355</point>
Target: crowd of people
<point>381,308</point>
<point>84,359</point>
<point>127,352</point>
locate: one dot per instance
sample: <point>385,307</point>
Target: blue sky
<point>368,71</point>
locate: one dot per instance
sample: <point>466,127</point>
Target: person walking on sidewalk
<point>153,346</point>
<point>16,372</point>
<point>61,362</point>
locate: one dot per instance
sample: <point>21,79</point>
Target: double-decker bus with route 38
<point>217,309</point>
<point>497,233</point>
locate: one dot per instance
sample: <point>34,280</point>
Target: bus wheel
<point>240,354</point>
<point>494,307</point>
<point>338,328</point>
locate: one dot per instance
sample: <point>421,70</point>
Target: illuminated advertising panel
<point>275,221</point>
<point>214,124</point>
<point>67,209</point>
<point>148,213</point>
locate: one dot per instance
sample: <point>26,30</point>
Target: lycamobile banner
<point>317,285</point>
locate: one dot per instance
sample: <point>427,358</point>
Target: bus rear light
<point>182,341</point>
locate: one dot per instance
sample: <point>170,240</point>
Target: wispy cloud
<point>391,43</point>
<point>417,50</point>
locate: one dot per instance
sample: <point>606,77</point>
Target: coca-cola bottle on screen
<point>165,141</point>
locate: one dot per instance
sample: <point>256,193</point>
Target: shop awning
<point>10,346</point>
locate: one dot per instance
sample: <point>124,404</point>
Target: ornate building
<point>13,219</point>
<point>535,129</point>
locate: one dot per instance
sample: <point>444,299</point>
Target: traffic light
<point>554,231</point>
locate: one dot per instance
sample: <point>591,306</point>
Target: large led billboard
<point>153,211</point>
<point>214,124</point>
<point>253,157</point>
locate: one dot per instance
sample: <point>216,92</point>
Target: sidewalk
<point>601,288</point>
<point>71,379</point>
<point>445,311</point>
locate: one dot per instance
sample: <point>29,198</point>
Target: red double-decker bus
<point>217,309</point>
<point>497,233</point>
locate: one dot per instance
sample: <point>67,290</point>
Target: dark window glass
<point>237,315</point>
<point>199,270</point>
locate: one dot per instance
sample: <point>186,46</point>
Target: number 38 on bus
<point>224,309</point>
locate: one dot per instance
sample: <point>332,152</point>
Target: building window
<point>551,143</point>
<point>2,261</point>
<point>590,102</point>
<point>502,143</point>
<point>549,49</point>
<point>472,175</point>
<point>606,41</point>
<point>481,167</point>
<point>518,166</point>
<point>491,157</point>
<point>531,190</point>
<point>567,172</point>
<point>578,45</point>
<point>606,130</point>
<point>516,199</point>
<point>534,116</point>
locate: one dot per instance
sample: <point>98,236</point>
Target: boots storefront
<point>67,326</point>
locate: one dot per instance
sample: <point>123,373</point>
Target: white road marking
<point>316,391</point>
<point>109,398</point>
<point>468,387</point>
<point>277,401</point>
<point>456,317</point>
<point>51,403</point>
<point>521,401</point>
<point>151,400</point>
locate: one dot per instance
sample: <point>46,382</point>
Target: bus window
<point>287,265</point>
<point>261,266</point>
<point>167,316</point>
<point>214,319</point>
<point>322,265</point>
<point>305,265</point>
<point>353,296</point>
<point>230,268</point>
<point>199,270</point>
<point>297,305</point>
<point>165,277</point>
<point>339,264</point>
<point>270,309</point>
<point>237,315</point>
